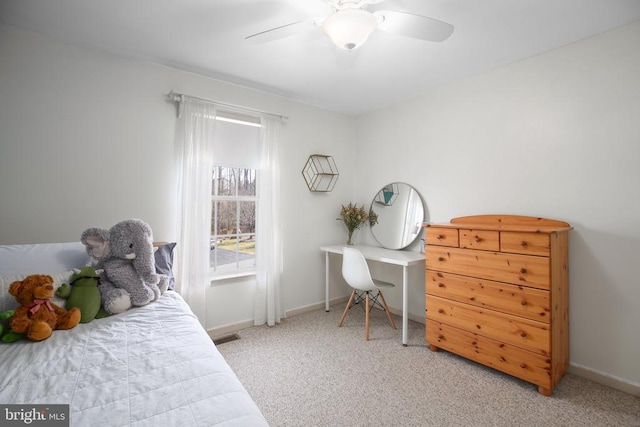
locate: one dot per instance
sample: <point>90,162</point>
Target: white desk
<point>387,256</point>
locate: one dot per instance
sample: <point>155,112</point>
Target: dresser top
<point>528,224</point>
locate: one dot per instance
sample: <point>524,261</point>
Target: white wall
<point>555,136</point>
<point>87,139</point>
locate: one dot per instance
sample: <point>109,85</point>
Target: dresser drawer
<point>486,240</point>
<point>522,301</point>
<point>441,236</point>
<point>520,332</point>
<point>525,270</point>
<point>529,366</point>
<point>524,243</point>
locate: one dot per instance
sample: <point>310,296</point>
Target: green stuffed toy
<point>82,292</point>
<point>6,334</point>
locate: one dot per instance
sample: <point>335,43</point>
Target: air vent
<point>225,339</point>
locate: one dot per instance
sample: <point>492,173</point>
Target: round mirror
<point>400,212</point>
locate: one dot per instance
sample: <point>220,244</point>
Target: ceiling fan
<point>352,22</point>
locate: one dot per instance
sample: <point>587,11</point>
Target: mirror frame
<point>391,196</point>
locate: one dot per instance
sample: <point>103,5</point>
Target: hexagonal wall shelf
<point>320,173</point>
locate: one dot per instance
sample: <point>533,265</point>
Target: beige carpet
<point>308,372</point>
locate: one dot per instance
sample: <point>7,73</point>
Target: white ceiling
<point>207,37</point>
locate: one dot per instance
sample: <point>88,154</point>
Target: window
<point>234,199</point>
<point>233,219</point>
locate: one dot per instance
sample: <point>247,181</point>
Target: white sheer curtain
<point>195,136</point>
<point>269,307</point>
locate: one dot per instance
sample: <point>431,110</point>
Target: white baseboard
<point>604,379</point>
<point>574,368</point>
<point>232,328</point>
<point>342,300</point>
<point>316,306</point>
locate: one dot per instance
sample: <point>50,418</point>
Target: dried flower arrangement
<point>355,217</point>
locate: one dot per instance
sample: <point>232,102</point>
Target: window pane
<point>247,217</point>
<point>233,253</point>
<point>226,219</point>
<point>224,181</point>
<point>247,182</point>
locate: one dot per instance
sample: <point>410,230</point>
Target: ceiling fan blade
<point>284,31</point>
<point>414,26</point>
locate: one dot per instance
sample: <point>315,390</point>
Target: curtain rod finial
<point>177,98</point>
<point>174,96</point>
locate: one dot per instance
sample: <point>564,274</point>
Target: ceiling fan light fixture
<point>350,28</point>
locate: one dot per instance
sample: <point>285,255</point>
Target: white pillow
<point>8,301</point>
<point>54,259</point>
<point>43,258</point>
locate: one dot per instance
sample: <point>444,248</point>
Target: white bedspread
<point>151,366</point>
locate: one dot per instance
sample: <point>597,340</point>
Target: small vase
<point>349,240</point>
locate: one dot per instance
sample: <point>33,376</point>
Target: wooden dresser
<point>497,292</point>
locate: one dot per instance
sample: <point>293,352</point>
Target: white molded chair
<point>357,275</point>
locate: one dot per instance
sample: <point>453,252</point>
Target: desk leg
<point>326,282</point>
<point>405,304</point>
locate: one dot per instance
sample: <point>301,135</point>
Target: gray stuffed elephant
<point>125,254</point>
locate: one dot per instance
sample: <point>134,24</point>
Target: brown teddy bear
<point>37,316</point>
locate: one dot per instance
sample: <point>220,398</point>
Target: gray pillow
<point>164,262</point>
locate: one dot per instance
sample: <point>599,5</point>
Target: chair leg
<point>346,310</point>
<point>386,309</point>
<point>366,309</point>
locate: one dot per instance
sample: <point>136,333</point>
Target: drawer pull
<point>440,337</point>
<point>441,311</point>
<point>523,244</point>
<point>523,303</point>
<point>440,236</point>
<point>523,366</point>
<point>523,270</point>
<point>441,285</point>
<point>478,239</point>
<point>440,274</point>
<point>523,334</point>
<point>440,258</point>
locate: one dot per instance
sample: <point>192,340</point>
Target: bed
<point>152,365</point>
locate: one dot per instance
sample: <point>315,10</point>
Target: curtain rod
<point>177,97</point>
